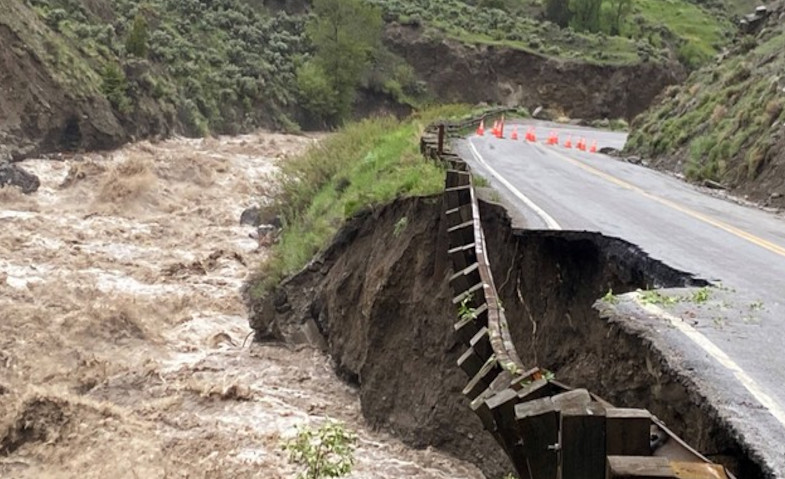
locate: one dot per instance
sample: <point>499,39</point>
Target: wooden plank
<point>463,279</point>
<point>538,422</point>
<point>480,408</point>
<point>458,195</point>
<point>466,328</point>
<point>582,438</point>
<point>476,297</point>
<point>470,362</point>
<point>481,343</point>
<point>637,467</point>
<point>627,432</point>
<point>572,399</point>
<point>482,380</point>
<point>537,390</point>
<point>502,407</point>
<point>457,178</point>
<point>698,470</point>
<point>459,215</point>
<point>461,234</point>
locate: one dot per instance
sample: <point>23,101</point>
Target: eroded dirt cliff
<point>379,295</point>
<point>460,72</point>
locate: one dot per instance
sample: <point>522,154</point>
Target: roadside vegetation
<point>363,164</point>
<point>725,124</point>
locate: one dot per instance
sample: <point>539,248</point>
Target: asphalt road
<point>735,352</point>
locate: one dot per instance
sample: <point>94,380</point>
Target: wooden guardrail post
<point>440,147</point>
<point>627,432</point>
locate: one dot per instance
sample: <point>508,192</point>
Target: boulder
<point>14,175</point>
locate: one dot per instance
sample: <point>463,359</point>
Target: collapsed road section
<point>382,299</point>
<point>543,425</point>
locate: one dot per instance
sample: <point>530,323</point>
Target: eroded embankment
<point>380,297</point>
<point>549,282</point>
<point>379,294</point>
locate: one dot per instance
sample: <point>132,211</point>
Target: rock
<point>256,216</point>
<point>607,150</point>
<point>536,111</point>
<point>635,160</point>
<point>714,185</point>
<point>11,174</point>
<point>250,216</point>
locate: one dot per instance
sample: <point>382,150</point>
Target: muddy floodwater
<point>123,349</point>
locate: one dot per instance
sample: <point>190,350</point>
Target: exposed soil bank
<point>381,300</point>
<point>549,281</point>
<point>460,72</point>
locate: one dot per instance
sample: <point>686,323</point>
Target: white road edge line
<point>714,351</point>
<point>545,217</point>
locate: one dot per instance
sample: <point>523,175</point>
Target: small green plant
<point>466,312</point>
<point>756,305</point>
<point>512,368</point>
<point>700,296</point>
<point>610,298</point>
<point>481,181</point>
<point>400,226</point>
<point>325,452</point>
<point>719,322</point>
<point>655,297</point>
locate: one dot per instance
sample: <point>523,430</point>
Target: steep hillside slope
<point>93,74</point>
<point>726,123</point>
<point>457,71</point>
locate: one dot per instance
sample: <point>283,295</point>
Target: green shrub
<point>114,86</point>
<point>316,92</point>
<point>136,42</point>
<point>690,55</point>
<point>325,452</point>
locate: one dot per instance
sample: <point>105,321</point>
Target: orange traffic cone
<point>481,128</point>
<point>582,144</point>
<point>593,148</point>
<point>568,143</point>
<point>514,134</point>
<point>495,127</point>
<point>553,139</point>
<point>501,127</point>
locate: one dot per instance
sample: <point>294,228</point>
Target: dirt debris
<point>123,346</point>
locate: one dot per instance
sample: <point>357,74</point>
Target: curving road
<point>735,349</point>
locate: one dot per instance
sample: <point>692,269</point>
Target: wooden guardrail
<point>549,430</point>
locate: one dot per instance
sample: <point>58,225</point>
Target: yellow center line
<point>774,248</point>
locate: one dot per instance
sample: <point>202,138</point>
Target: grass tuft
<point>364,164</point>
